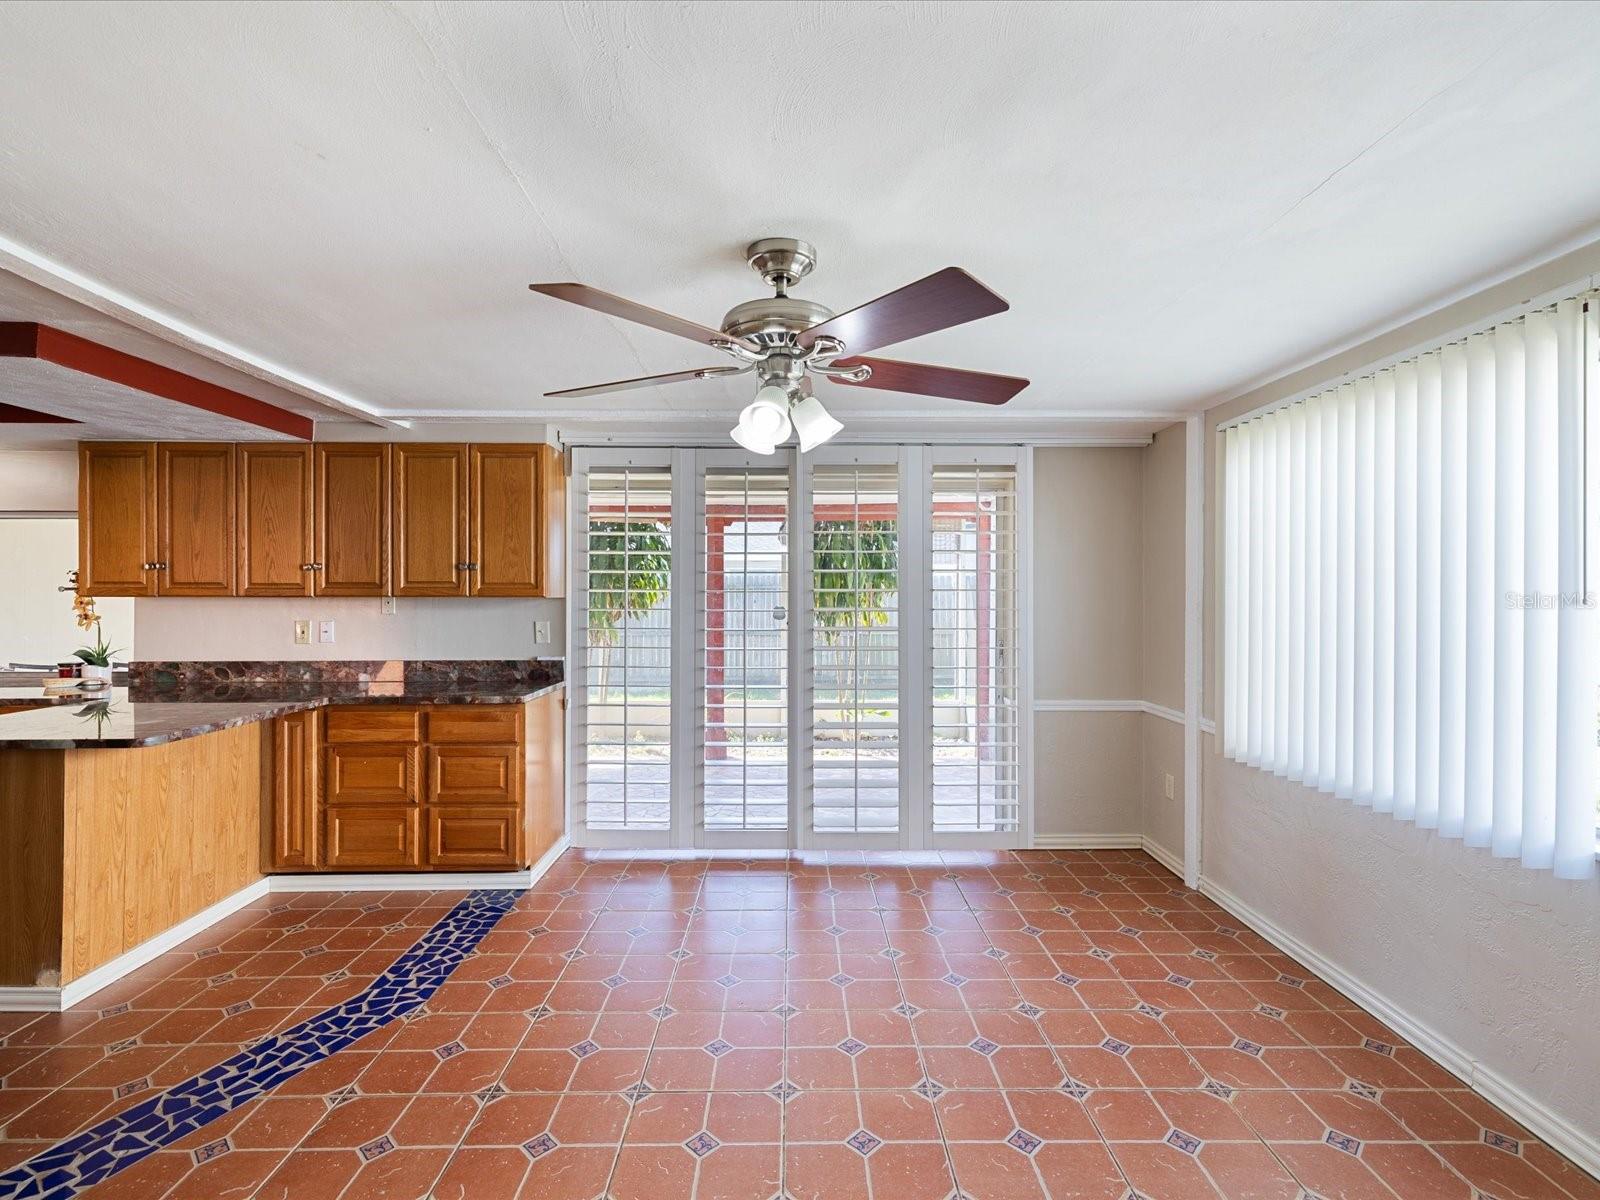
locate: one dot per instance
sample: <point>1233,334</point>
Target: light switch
<point>1169,785</point>
<point>541,632</point>
<point>388,606</point>
<point>302,633</point>
<point>324,631</point>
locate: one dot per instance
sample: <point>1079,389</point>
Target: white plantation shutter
<point>622,730</point>
<point>974,651</point>
<point>855,664</point>
<point>1409,619</point>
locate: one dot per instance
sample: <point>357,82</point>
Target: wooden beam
<point>12,414</point>
<point>27,339</point>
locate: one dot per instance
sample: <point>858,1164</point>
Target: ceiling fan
<point>782,339</point>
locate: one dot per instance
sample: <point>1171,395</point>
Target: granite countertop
<point>124,718</point>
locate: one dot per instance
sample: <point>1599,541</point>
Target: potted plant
<point>96,659</point>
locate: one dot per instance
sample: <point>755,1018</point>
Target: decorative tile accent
<point>132,1087</point>
<point>583,1049</point>
<point>124,1044</point>
<point>863,1142</point>
<point>1187,1142</point>
<point>450,1050</point>
<point>729,981</point>
<point>1378,1047</point>
<point>1129,931</point>
<point>932,930</point>
<point>1151,1011</point>
<point>1365,1090</point>
<point>1101,953</point>
<point>835,930</point>
<point>1116,1047</point>
<point>376,1148</point>
<point>85,1159</point>
<point>701,1144</point>
<point>1344,1142</point>
<point>537,1148</point>
<point>488,1095</point>
<point>1030,1010</point>
<point>1068,980</point>
<point>1024,1141</point>
<point>1291,981</point>
<point>680,954</point>
<point>1247,1046</point>
<point>1501,1141</point>
<point>907,1009</point>
<point>211,1150</point>
<point>717,1048</point>
<point>783,1091</point>
<point>851,1046</point>
<point>1268,1010</point>
<point>662,1011</point>
<point>891,953</point>
<point>1032,930</point>
<point>983,1046</point>
<point>786,1010</point>
<point>500,981</point>
<point>1220,1090</point>
<point>995,952</point>
<point>613,981</point>
<point>929,1090</point>
<point>1073,1088</point>
<point>841,979</point>
<point>637,1092</point>
<point>955,980</point>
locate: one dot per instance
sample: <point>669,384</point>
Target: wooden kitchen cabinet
<point>117,518</point>
<point>429,509</point>
<point>449,787</point>
<point>351,507</point>
<point>276,547</point>
<point>296,776</point>
<point>518,520</point>
<point>194,518</point>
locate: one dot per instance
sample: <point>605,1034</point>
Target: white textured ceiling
<point>1177,200</point>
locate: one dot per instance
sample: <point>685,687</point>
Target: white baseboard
<point>1581,1146</point>
<point>1169,860</point>
<point>421,881</point>
<point>1087,841</point>
<point>59,999</point>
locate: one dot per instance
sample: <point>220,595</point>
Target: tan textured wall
<point>1498,959</point>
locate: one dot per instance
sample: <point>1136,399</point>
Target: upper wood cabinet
<point>352,518</point>
<point>275,544</point>
<point>117,518</point>
<point>518,520</point>
<point>194,523</point>
<point>327,519</point>
<point>430,520</point>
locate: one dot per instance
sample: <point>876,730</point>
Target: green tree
<point>855,569</point>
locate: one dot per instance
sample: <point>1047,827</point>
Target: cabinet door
<point>475,838</point>
<point>195,499</point>
<point>117,518</point>
<point>352,518</point>
<point>506,532</point>
<point>274,514</point>
<point>430,520</point>
<point>373,836</point>
<point>294,791</point>
<point>474,775</point>
<point>370,774</point>
<point>552,523</point>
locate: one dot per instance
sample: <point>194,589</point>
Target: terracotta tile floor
<point>993,1026</point>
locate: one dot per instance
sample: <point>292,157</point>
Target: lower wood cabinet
<point>389,788</point>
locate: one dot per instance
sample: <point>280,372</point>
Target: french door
<point>787,651</point>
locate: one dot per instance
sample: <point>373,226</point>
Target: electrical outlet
<point>541,632</point>
<point>1169,785</point>
<point>388,606</point>
<point>302,633</point>
<point>324,631</point>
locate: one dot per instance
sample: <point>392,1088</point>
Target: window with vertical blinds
<point>744,648</point>
<point>622,727</point>
<point>855,656</point>
<point>1409,618</point>
<point>972,624</point>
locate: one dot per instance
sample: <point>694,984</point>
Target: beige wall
<point>39,481</point>
<point>36,620</point>
<point>1497,960</point>
<point>1108,626</point>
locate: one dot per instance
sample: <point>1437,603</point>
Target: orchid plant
<point>99,654</point>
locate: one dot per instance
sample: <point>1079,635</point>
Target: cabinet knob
<point>149,566</point>
<point>312,566</point>
<point>463,566</point>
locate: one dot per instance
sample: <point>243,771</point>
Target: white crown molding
<point>1582,1146</point>
<point>36,268</point>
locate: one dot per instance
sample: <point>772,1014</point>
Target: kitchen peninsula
<point>159,807</point>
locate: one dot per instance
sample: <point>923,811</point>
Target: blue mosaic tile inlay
<point>87,1158</point>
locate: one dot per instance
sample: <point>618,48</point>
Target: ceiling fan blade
<point>616,306</point>
<point>627,385</point>
<point>945,298</point>
<point>924,380</point>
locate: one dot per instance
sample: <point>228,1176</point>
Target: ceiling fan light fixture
<point>813,423</point>
<point>764,422</point>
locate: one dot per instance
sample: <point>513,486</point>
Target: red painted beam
<point>11,414</point>
<point>27,339</point>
